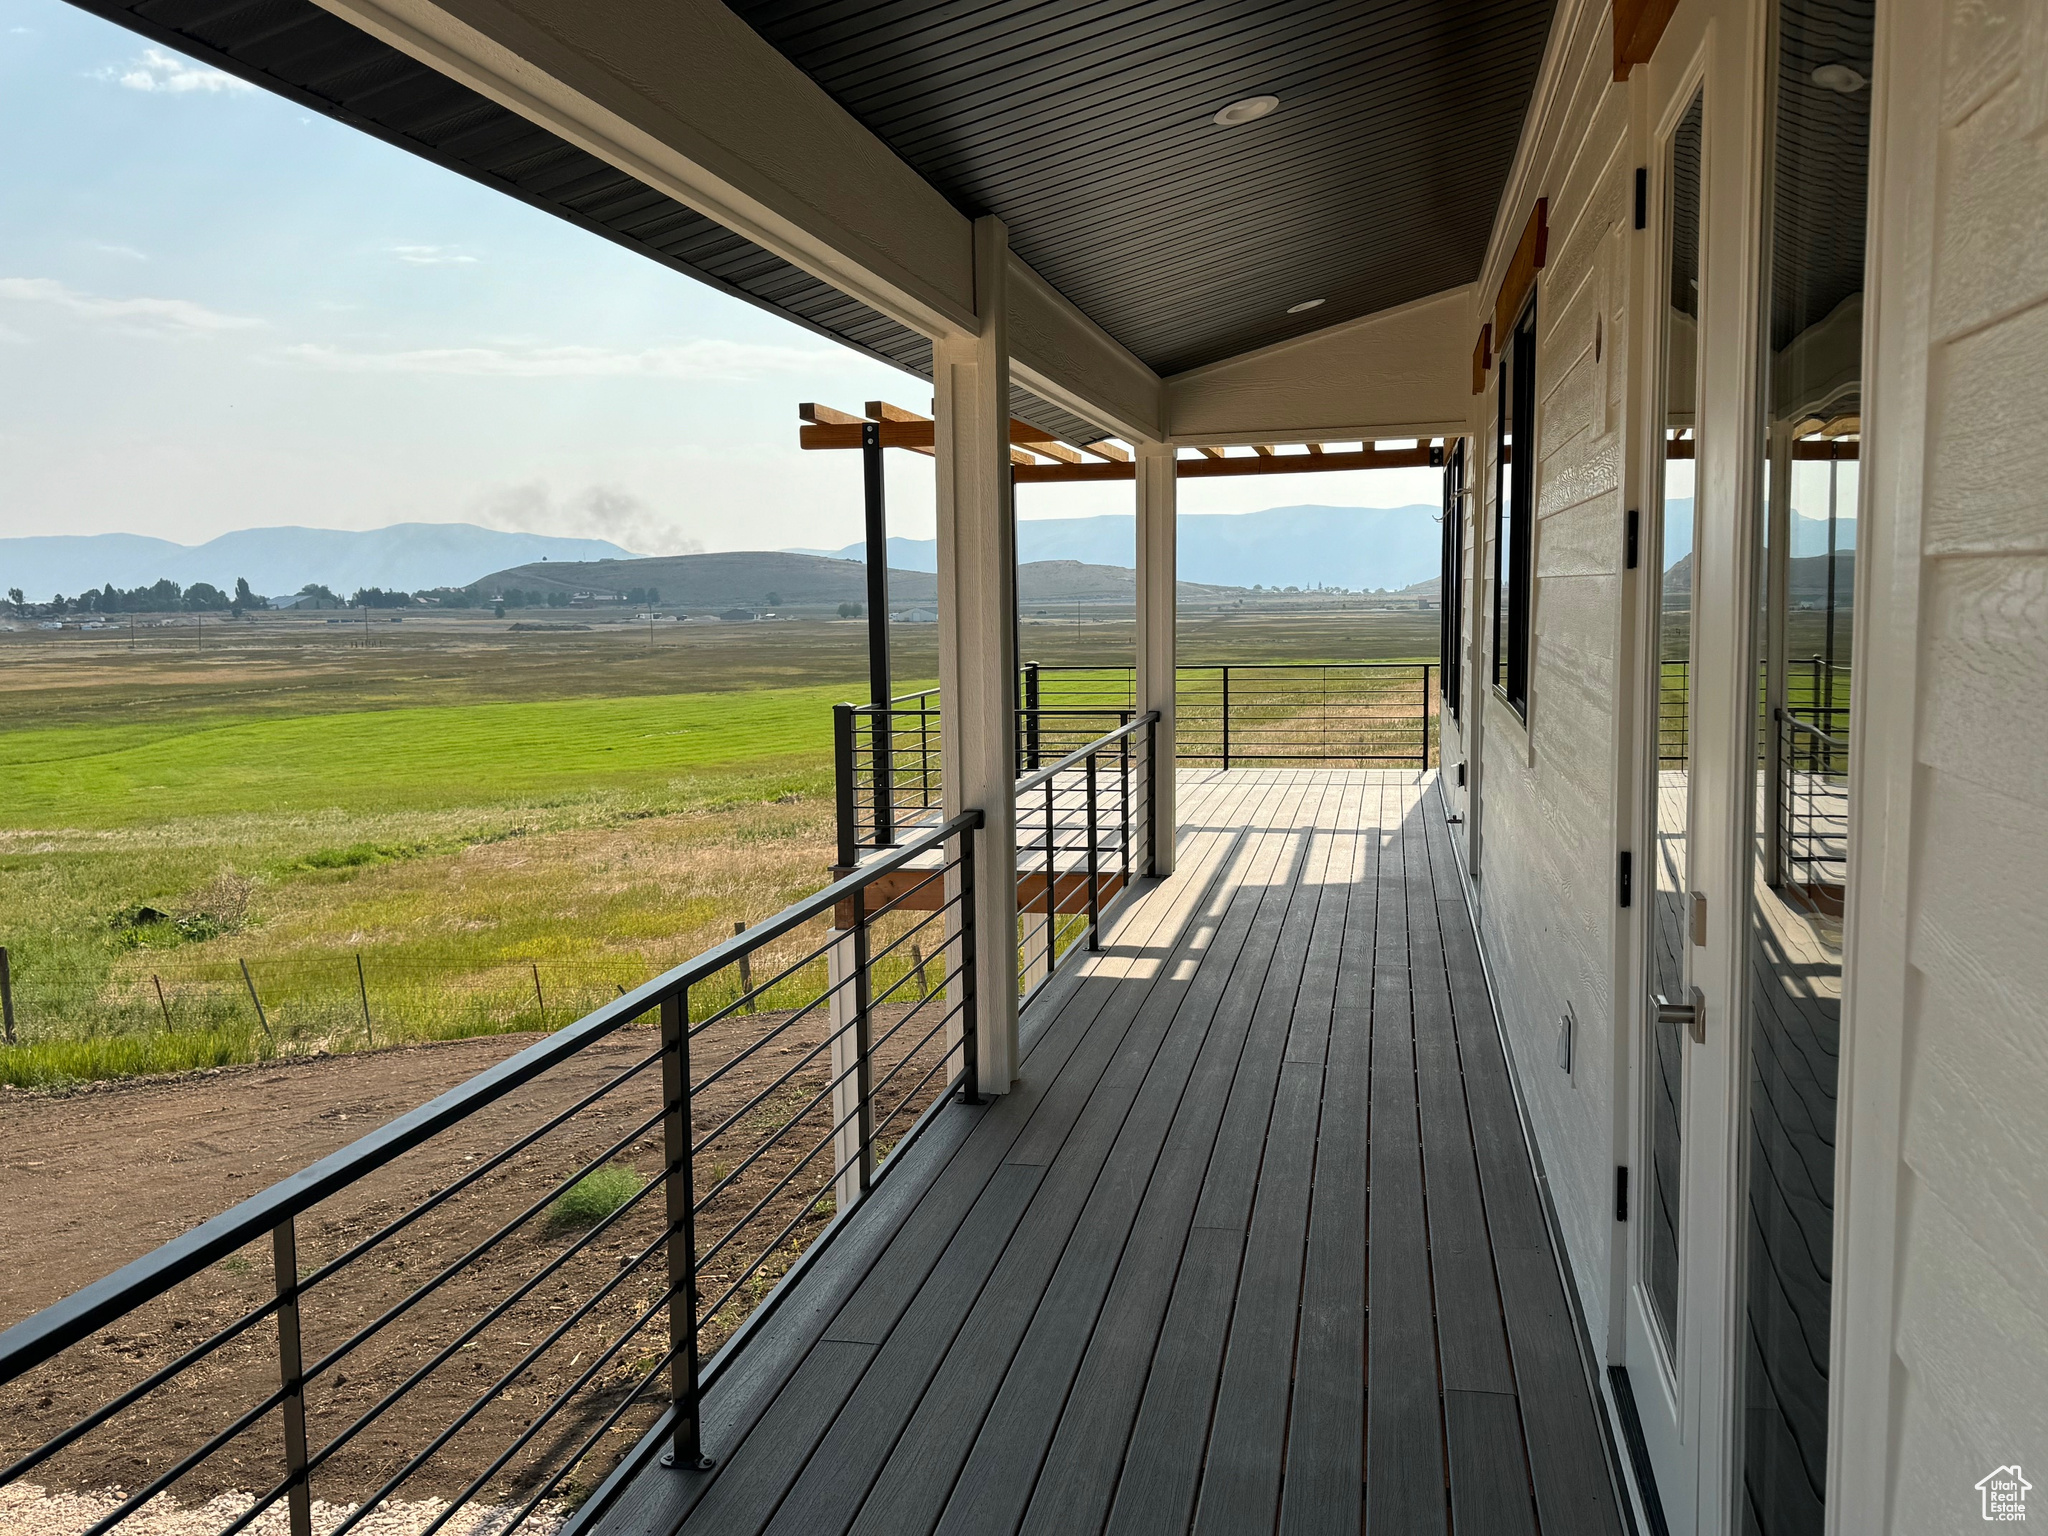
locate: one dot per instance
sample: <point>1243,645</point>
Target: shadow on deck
<point>1253,1244</point>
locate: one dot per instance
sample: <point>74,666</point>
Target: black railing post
<point>1425,714</point>
<point>1031,744</point>
<point>842,773</point>
<point>679,1189</point>
<point>863,1041</point>
<point>882,773</point>
<point>1094,898</point>
<point>970,981</point>
<point>1123,802</point>
<point>1226,717</point>
<point>1152,796</point>
<point>284,1257</point>
<point>1052,908</point>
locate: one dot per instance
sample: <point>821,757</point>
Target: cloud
<point>432,256</point>
<point>158,317</point>
<point>160,71</point>
<point>694,360</point>
<point>595,512</point>
<point>128,251</point>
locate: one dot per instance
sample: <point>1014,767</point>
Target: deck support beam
<point>977,647</point>
<point>1156,652</point>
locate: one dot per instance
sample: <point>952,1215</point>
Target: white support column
<point>1157,652</point>
<point>845,1051</point>
<point>977,645</point>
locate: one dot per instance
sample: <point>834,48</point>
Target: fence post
<point>864,1039</point>
<point>161,1002</point>
<point>7,997</point>
<point>686,1448</point>
<point>842,774</point>
<point>362,991</point>
<point>250,982</point>
<point>746,969</point>
<point>1226,718</point>
<point>284,1256</point>
<point>970,1023</point>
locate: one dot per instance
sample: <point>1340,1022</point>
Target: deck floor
<point>1253,1245</point>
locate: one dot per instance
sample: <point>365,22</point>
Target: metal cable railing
<point>890,772</point>
<point>506,1296</point>
<point>1813,807</point>
<point>1079,822</point>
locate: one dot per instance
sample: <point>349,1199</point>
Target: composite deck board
<point>1002,1473</point>
<point>915,1488</point>
<point>1254,1243</point>
<point>1087,1452</point>
<point>1404,1445</point>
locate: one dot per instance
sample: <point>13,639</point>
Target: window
<point>1451,593</point>
<point>1514,511</point>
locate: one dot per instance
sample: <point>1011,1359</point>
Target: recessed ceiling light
<point>1248,110</point>
<point>1303,307</point>
<point>1839,77</point>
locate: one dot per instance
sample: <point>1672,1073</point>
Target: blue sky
<point>219,311</point>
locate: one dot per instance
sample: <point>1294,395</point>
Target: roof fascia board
<point>688,99</point>
<point>1399,372</point>
<point>1060,354</point>
<point>1563,56</point>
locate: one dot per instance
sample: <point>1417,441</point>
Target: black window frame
<point>1514,509</point>
<point>1451,594</point>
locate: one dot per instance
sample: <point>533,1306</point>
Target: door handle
<point>1692,1013</point>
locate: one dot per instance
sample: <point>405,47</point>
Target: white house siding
<point>1548,817</point>
<point>1945,1177</point>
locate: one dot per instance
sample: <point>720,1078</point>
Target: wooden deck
<point>1254,1244</point>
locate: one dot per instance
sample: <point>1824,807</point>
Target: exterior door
<point>1670,911</point>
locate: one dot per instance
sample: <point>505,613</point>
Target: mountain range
<point>277,561</point>
<point>789,580</point>
<point>1352,547</point>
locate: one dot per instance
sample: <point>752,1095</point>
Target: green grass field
<point>501,830</point>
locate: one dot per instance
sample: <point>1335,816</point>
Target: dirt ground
<point>97,1178</point>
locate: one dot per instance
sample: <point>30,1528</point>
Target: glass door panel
<point>1804,615</point>
<point>1669,963</point>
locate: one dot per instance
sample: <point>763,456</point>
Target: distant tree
<point>315,589</point>
<point>558,599</point>
<point>14,596</point>
<point>57,603</point>
<point>245,598</point>
<point>849,610</point>
<point>205,597</point>
<point>774,599</point>
<point>498,608</point>
<point>377,597</point>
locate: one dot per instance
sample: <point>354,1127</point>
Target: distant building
<point>738,616</point>
<point>916,616</point>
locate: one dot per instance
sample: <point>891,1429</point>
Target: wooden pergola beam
<point>1223,468</point>
<point>826,428</point>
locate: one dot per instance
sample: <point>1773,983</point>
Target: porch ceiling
<point>1087,126</point>
<point>326,64</point>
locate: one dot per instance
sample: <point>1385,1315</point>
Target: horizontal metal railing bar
<point>449,1350</point>
<point>1080,754</point>
<point>37,1338</point>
